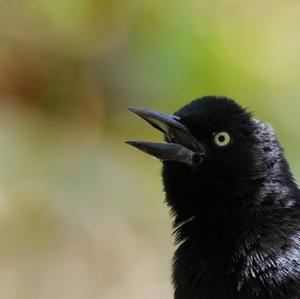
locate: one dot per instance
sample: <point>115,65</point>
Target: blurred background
<point>82,214</point>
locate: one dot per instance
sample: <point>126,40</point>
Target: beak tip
<point>134,109</point>
<point>132,143</point>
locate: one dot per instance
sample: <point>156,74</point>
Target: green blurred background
<point>82,214</point>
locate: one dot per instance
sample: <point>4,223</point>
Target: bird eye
<point>222,139</point>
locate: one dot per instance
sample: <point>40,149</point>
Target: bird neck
<point>222,196</point>
<point>205,198</point>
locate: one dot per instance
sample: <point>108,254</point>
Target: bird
<point>233,199</point>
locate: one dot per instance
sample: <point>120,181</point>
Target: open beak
<point>181,146</point>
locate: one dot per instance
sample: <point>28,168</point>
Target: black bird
<point>235,204</point>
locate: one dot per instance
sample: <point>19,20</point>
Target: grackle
<point>235,204</point>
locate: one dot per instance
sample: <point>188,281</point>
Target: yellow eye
<point>222,139</point>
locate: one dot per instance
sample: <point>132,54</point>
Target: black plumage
<point>235,204</point>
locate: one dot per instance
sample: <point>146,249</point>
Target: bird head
<point>213,148</point>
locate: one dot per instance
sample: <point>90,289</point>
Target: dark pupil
<point>221,138</point>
